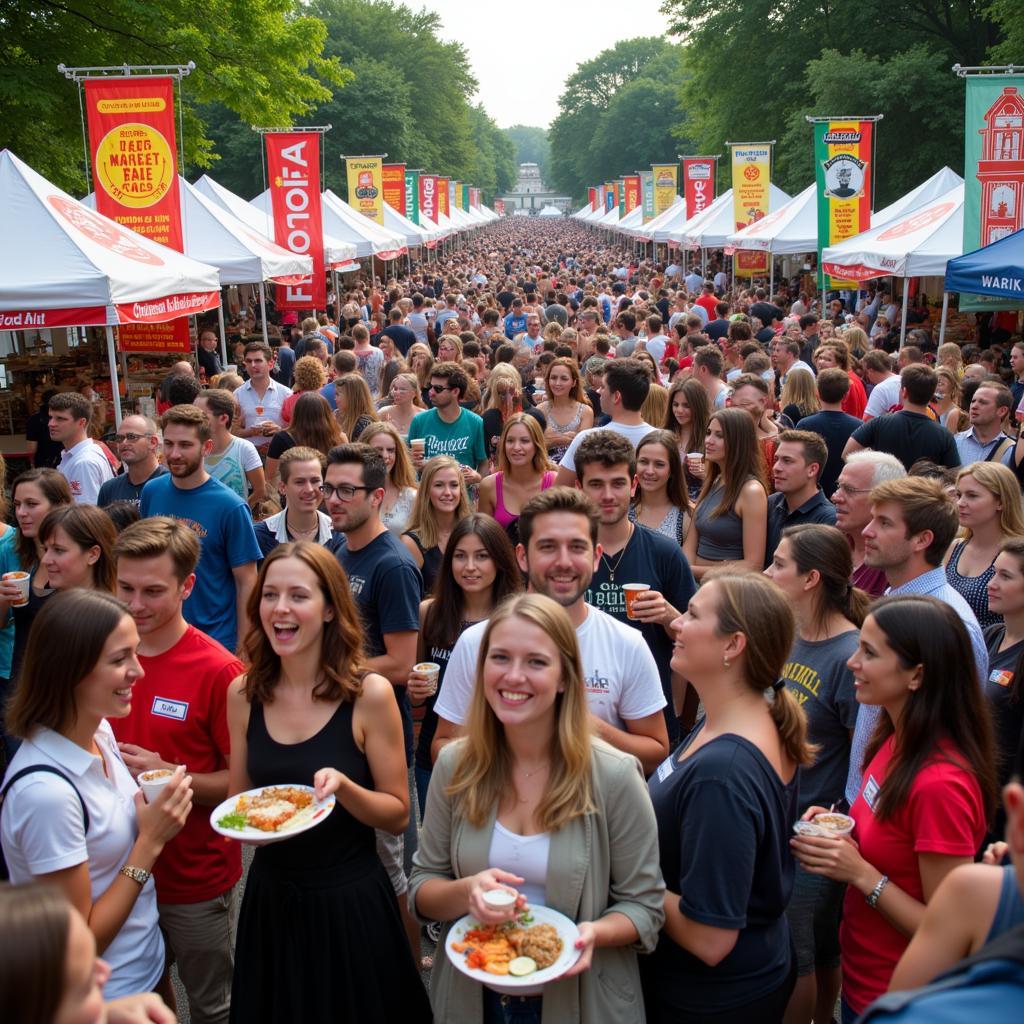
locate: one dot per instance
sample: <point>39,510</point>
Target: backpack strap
<point>31,769</point>
<point>999,450</point>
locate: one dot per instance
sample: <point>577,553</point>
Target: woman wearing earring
<point>441,501</point>
<point>528,800</point>
<point>566,407</point>
<point>400,485</point>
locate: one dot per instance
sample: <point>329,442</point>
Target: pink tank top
<point>502,514</point>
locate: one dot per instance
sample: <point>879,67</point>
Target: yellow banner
<point>666,186</point>
<point>751,175</point>
<point>366,186</point>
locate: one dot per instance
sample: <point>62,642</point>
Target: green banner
<point>993,157</point>
<point>647,191</point>
<point>412,196</point>
<point>465,198</point>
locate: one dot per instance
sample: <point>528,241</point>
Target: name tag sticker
<point>870,792</point>
<point>1001,677</point>
<point>666,768</point>
<point>170,708</point>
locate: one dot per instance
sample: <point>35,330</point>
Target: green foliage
<point>618,113</point>
<point>1008,16</point>
<point>261,59</point>
<point>532,146</point>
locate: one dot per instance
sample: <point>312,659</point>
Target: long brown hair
<point>926,632</point>
<point>313,424</point>
<point>751,604</point>
<point>54,488</point>
<point>483,774</point>
<point>1014,546</point>
<point>675,486</point>
<point>360,403</point>
<point>51,672</point>
<point>401,474</point>
<point>341,652</point>
<point>700,411</point>
<point>88,527</point>
<point>577,391</point>
<point>826,549</point>
<point>743,459</point>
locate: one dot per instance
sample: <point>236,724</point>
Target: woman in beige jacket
<point>529,789</point>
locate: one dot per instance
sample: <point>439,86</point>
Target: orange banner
<point>394,187</point>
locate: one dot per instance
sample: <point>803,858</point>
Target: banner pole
<point>223,332</point>
<point>114,386</point>
<point>903,317</point>
<point>263,313</point>
<point>945,311</point>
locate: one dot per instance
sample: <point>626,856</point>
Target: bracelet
<point>139,875</point>
<point>876,893</point>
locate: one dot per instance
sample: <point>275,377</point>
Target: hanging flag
<point>429,193</point>
<point>444,186</point>
<point>393,179</point>
<point>631,188</point>
<point>666,184</point>
<point>843,158</point>
<point>366,186</point>
<point>465,198</point>
<point>592,196</point>
<point>647,194</point>
<point>412,196</point>
<point>293,169</point>
<point>620,187</point>
<point>453,198</point>
<point>135,170</point>
<point>699,182</point>
<point>751,175</point>
<point>993,168</point>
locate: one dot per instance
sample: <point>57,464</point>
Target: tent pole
<point>115,390</point>
<point>223,332</point>
<point>263,312</point>
<point>945,311</point>
<point>771,277</point>
<point>903,317</point>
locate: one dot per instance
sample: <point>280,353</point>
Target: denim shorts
<point>499,1009</point>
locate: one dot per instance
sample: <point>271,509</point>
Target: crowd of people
<point>622,579</point>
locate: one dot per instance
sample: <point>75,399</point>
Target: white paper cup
<point>23,581</point>
<point>431,670</point>
<point>631,590</point>
<point>834,823</point>
<point>152,782</point>
<point>418,444</point>
<point>694,461</point>
<point>499,899</point>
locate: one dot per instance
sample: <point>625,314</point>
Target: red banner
<point>444,195</point>
<point>698,183</point>
<point>394,187</point>
<point>428,197</point>
<point>631,184</point>
<point>135,171</point>
<point>592,196</point>
<point>293,168</point>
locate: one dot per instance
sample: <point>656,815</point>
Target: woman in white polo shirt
<point>89,832</point>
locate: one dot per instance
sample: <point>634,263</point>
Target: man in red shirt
<point>708,300</point>
<point>178,717</point>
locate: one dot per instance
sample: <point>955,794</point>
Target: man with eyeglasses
<point>137,443</point>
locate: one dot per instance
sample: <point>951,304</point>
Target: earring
<point>725,663</point>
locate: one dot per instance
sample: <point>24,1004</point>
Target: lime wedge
<point>522,965</point>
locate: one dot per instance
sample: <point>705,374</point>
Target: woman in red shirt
<point>929,786</point>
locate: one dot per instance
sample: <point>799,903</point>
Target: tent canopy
<point>550,211</point>
<point>996,270</point>
<point>710,228</point>
<point>633,220</point>
<point>655,230</point>
<point>937,185</point>
<point>82,268</point>
<point>789,229</point>
<point>919,244</point>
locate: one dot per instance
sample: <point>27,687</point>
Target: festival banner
<point>666,182</point>
<point>610,198</point>
<point>366,186</point>
<point>592,196</point>
<point>393,179</point>
<point>135,171</point>
<point>429,193</point>
<point>993,169</point>
<point>699,183</point>
<point>647,194</point>
<point>293,170</point>
<point>465,198</point>
<point>631,188</point>
<point>412,195</point>
<point>444,195</point>
<point>453,198</point>
<point>844,174</point>
<point>620,188</point>
<point>751,174</point>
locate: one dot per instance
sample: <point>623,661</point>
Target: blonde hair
<point>422,374</point>
<point>423,520</point>
<point>655,407</point>
<point>1001,482</point>
<point>360,403</point>
<point>503,373</point>
<point>401,473</point>
<point>483,773</point>
<point>799,390</point>
<point>456,342</point>
<point>541,463</point>
<point>309,374</point>
<point>950,349</point>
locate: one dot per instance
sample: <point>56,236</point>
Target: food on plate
<point>509,948</point>
<point>274,809</point>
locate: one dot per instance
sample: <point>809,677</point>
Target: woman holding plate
<point>319,933</point>
<point>528,787</point>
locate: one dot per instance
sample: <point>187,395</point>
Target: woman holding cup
<point>477,573</point>
<point>77,818</point>
<point>688,413</point>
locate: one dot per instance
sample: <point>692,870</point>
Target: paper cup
<point>418,444</point>
<point>631,590</point>
<point>431,670</point>
<point>152,782</point>
<point>834,824</point>
<point>694,461</point>
<point>499,899</point>
<point>23,581</point>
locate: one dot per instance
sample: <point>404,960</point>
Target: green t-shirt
<point>463,440</point>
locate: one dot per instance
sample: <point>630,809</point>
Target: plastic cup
<point>418,444</point>
<point>631,590</point>
<point>152,782</point>
<point>694,461</point>
<point>431,670</point>
<point>23,581</point>
<point>835,824</point>
<point>499,899</point>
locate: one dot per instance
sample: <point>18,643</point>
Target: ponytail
<point>791,723</point>
<point>825,549</point>
<point>857,604</point>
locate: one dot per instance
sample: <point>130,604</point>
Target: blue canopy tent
<point>994,272</point>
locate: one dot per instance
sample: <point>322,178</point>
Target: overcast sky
<point>522,51</point>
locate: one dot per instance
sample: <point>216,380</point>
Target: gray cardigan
<point>604,862</point>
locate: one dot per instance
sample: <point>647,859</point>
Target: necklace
<point>526,799</point>
<point>302,533</point>
<point>613,568</point>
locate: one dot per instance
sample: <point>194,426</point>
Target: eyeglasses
<point>437,390</point>
<point>118,438</point>
<point>344,491</point>
<point>850,491</point>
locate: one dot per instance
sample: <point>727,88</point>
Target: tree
<point>262,59</point>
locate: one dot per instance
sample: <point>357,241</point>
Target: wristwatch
<point>875,894</point>
<point>140,875</point>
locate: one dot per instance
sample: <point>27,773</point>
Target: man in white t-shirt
<point>82,463</point>
<point>233,461</point>
<point>559,553</point>
<point>885,385</point>
<point>260,398</point>
<point>626,385</point>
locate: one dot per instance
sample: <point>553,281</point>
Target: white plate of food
<point>269,814</point>
<point>538,947</point>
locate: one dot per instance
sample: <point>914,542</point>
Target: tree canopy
<point>532,147</point>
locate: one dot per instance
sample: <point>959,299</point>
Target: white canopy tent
<point>710,228</point>
<point>413,234</point>
<point>938,184</point>
<point>550,211</point>
<point>608,220</point>
<point>659,229</point>
<point>593,216</point>
<point>83,269</point>
<point>792,228</point>
<point>585,208</point>
<point>632,221</point>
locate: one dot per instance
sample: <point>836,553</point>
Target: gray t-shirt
<point>816,674</point>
